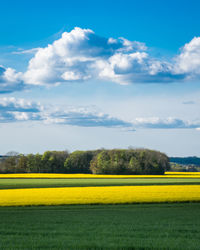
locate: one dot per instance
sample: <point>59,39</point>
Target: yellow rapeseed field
<point>99,195</point>
<point>182,173</point>
<point>86,176</point>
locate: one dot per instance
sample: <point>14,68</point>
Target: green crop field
<point>150,226</point>
<point>130,226</point>
<point>42,183</point>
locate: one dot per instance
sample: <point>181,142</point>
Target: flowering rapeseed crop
<point>86,176</point>
<point>99,195</point>
<point>183,173</point>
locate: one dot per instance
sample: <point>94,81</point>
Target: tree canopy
<point>115,161</point>
<point>119,161</point>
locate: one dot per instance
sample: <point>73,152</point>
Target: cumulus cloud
<point>12,110</point>
<point>73,57</point>
<point>21,105</point>
<point>81,55</point>
<point>188,62</point>
<point>10,80</point>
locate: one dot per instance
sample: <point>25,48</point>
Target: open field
<point>182,173</point>
<point>71,182</point>
<point>139,226</point>
<point>83,189</point>
<point>169,223</point>
<point>88,176</point>
<point>100,195</point>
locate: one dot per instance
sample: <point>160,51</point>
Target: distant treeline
<point>116,161</point>
<point>192,160</point>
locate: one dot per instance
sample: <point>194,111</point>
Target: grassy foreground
<point>144,226</point>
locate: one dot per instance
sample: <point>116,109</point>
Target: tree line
<point>115,161</point>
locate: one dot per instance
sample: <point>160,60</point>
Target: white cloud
<point>188,62</point>
<point>84,117</point>
<point>123,68</point>
<point>67,59</point>
<point>10,80</point>
<point>20,116</point>
<point>26,51</point>
<point>166,123</point>
<point>12,110</point>
<point>13,104</point>
<point>81,55</point>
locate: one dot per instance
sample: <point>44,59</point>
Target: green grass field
<point>40,183</point>
<point>150,226</point>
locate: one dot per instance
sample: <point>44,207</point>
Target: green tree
<point>10,164</point>
<point>21,166</point>
<point>130,161</point>
<point>79,162</point>
<point>53,161</point>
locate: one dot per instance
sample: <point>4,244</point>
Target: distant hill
<point>2,157</point>
<point>191,160</point>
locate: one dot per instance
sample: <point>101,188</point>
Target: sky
<point>79,75</point>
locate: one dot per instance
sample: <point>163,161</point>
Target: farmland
<point>43,189</point>
<point>133,212</point>
<point>101,176</point>
<point>85,182</point>
<point>100,195</point>
<point>139,226</point>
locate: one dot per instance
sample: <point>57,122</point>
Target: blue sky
<point>93,74</point>
<point>165,25</point>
